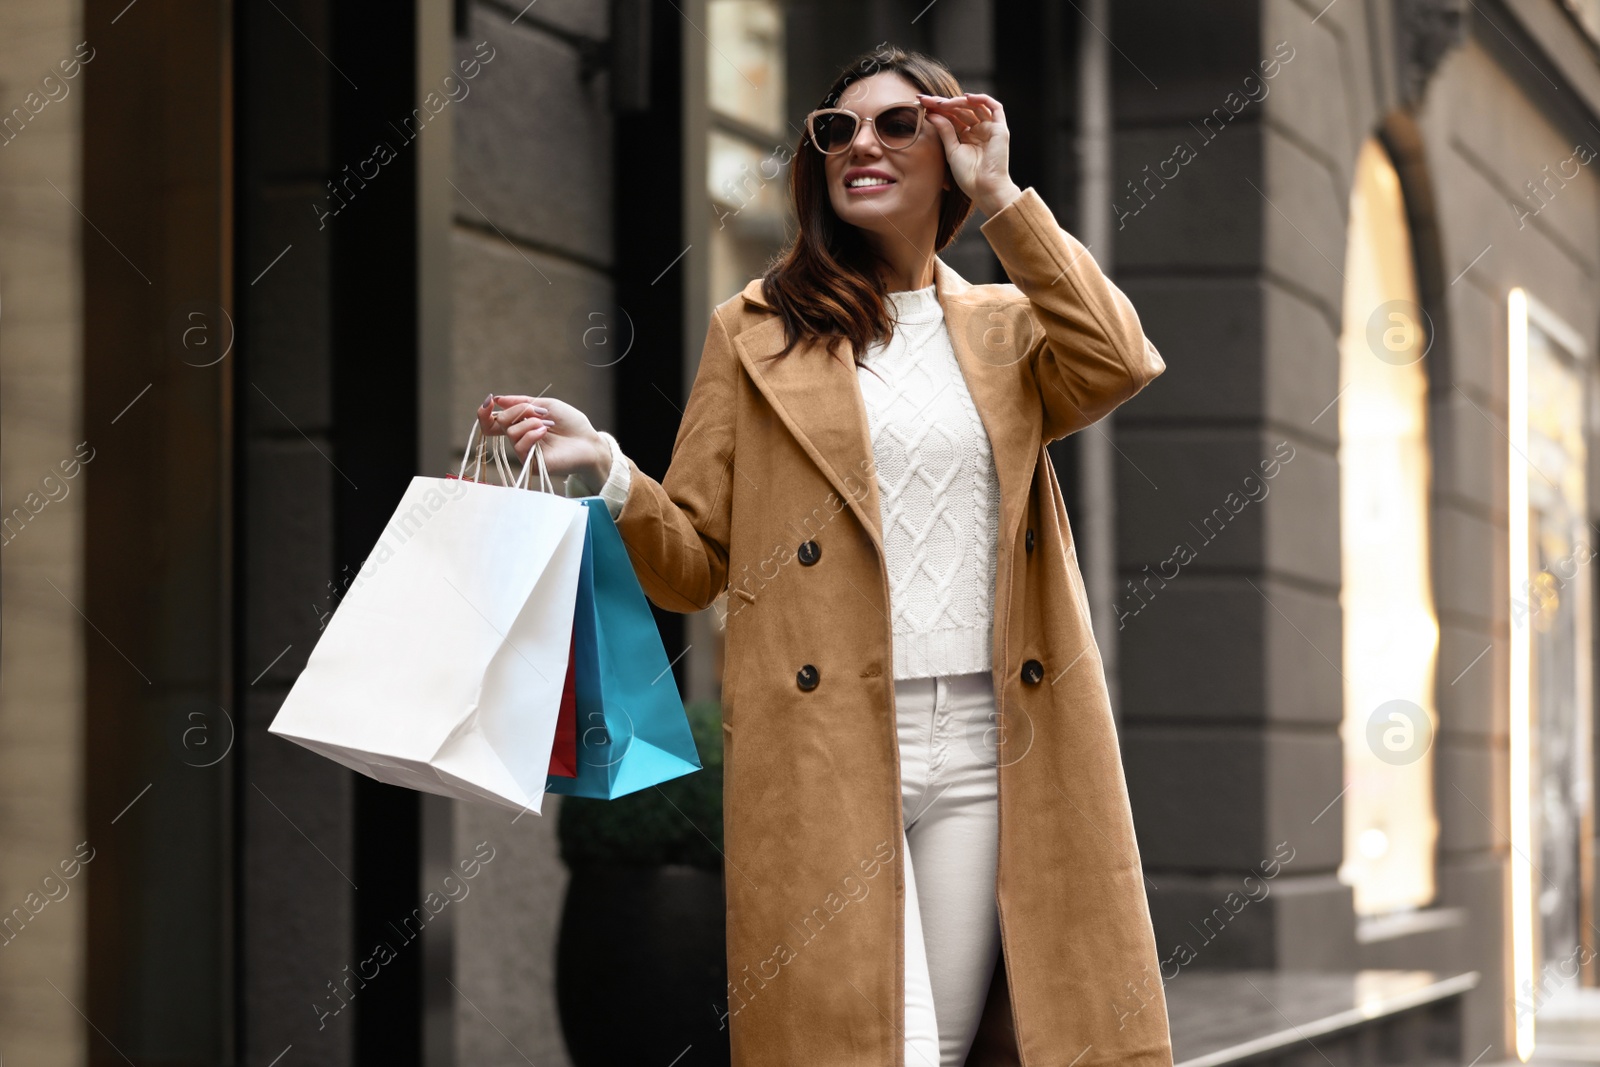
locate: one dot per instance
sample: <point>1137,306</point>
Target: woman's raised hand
<point>977,145</point>
<point>564,434</point>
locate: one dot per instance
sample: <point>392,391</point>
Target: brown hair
<point>824,284</point>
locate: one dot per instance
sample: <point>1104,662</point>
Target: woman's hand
<point>564,434</point>
<point>977,145</point>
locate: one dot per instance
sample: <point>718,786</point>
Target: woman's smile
<point>866,181</point>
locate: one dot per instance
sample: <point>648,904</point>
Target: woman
<point>910,667</point>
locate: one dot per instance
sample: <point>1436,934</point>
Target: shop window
<point>1391,632</point>
<point>748,144</point>
<point>1551,713</point>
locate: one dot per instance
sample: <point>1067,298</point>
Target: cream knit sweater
<point>938,495</point>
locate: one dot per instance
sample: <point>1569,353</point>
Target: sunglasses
<point>833,129</point>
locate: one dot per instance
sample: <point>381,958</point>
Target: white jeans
<point>947,786</point>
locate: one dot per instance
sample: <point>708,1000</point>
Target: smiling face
<point>892,193</point>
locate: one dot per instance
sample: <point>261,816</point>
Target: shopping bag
<point>443,667</point>
<point>564,753</point>
<point>633,731</point>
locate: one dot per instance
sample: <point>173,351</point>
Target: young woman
<point>910,670</point>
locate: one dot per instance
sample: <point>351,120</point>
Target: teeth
<point>856,183</point>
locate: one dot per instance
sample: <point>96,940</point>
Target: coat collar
<point>947,284</point>
<point>818,398</point>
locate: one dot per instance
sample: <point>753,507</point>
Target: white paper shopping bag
<point>443,666</point>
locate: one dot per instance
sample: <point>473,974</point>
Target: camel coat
<point>771,495</point>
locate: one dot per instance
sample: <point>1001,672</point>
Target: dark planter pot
<point>641,966</point>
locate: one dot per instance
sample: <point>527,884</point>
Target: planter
<point>641,966</point>
<point>641,959</point>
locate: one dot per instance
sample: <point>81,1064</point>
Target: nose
<point>866,137</point>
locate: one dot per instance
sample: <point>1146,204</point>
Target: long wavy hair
<point>825,283</point>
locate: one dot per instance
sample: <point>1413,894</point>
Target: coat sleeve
<point>676,530</point>
<point>1094,355</point>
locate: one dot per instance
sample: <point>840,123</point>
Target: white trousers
<point>948,790</point>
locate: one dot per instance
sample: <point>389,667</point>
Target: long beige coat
<point>771,494</point>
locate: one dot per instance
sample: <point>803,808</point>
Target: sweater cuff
<point>615,491</point>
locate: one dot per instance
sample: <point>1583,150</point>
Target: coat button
<point>810,552</point>
<point>1032,672</point>
<point>807,678</point>
<point>1027,542</point>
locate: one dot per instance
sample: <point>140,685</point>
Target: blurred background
<point>260,261</point>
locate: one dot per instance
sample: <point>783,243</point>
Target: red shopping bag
<point>564,753</point>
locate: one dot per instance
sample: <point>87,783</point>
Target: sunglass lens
<point>834,131</point>
<point>897,126</point>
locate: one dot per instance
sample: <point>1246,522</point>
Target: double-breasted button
<point>1027,542</point>
<point>1032,672</point>
<point>807,677</point>
<point>810,552</point>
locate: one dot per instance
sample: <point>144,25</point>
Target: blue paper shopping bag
<point>633,731</point>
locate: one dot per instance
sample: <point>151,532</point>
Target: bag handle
<point>472,435</point>
<point>546,485</point>
<point>497,454</point>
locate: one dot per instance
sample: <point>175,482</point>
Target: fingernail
<point>548,422</point>
<point>541,411</point>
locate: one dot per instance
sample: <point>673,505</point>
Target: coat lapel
<point>991,333</point>
<point>818,399</point>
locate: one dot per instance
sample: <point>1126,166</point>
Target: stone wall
<point>531,243</point>
<point>1232,251</point>
<point>41,569</point>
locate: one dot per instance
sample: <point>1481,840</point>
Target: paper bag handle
<point>497,453</point>
<point>472,435</point>
<point>537,455</point>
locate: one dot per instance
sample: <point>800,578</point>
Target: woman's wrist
<point>600,469</point>
<point>992,203</point>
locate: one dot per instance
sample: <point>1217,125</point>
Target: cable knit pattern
<point>937,491</point>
